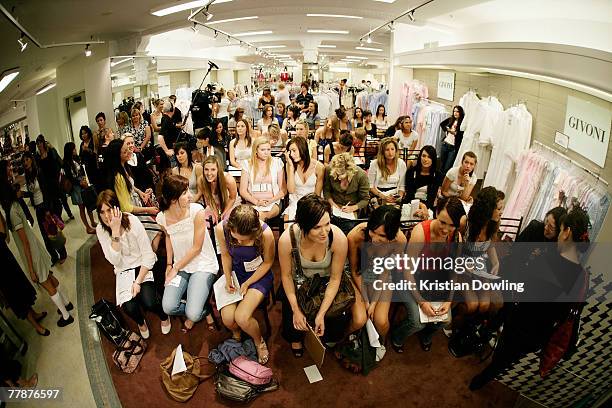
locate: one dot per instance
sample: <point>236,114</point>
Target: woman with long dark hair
<point>74,172</point>
<point>50,165</point>
<point>381,117</point>
<point>220,141</point>
<point>422,180</point>
<point>219,190</point>
<point>188,169</point>
<point>88,152</point>
<point>452,140</point>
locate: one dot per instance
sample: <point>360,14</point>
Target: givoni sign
<point>588,127</point>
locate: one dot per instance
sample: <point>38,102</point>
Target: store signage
<point>588,127</point>
<point>446,85</point>
<point>561,140</point>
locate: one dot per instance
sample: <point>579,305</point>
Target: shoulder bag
<point>239,390</point>
<point>311,292</point>
<point>128,355</point>
<point>89,194</point>
<point>182,386</point>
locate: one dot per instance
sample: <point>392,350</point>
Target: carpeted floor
<point>415,378</point>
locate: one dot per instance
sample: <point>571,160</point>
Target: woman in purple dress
<point>247,248</point>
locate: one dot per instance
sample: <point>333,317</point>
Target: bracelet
<point>168,264</point>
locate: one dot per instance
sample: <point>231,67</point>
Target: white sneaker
<point>144,333</point>
<point>166,329</point>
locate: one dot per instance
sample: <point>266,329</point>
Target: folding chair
<point>510,227</point>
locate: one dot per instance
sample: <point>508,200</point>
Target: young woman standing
<point>247,248</point>
<point>74,172</point>
<point>452,140</point>
<point>141,131</point>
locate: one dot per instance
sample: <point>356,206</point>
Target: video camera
<point>201,112</point>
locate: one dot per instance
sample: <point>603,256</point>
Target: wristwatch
<point>115,239</point>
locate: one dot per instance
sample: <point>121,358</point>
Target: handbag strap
<point>295,253</point>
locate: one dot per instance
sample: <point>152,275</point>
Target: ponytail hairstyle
<point>577,220</point>
<point>244,220</point>
<point>109,198</point>
<point>173,186</point>
<point>481,212</point>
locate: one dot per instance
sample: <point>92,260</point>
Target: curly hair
<point>341,164</point>
<point>480,213</point>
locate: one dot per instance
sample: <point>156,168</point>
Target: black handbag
<point>89,194</point>
<point>109,321</point>
<point>238,390</point>
<point>311,292</point>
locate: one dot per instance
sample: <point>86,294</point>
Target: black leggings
<point>147,299</point>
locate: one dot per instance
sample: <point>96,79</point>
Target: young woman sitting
<point>322,248</point>
<point>406,137</point>
<point>125,245</point>
<point>240,147</point>
<point>460,181</point>
<point>267,119</point>
<point>327,134</point>
<point>304,176</point>
<point>191,259</point>
<point>188,169</point>
<point>262,180</point>
<point>422,181</point>
<point>382,228</point>
<point>386,173</point>
<point>218,189</point>
<point>343,145</point>
<point>357,118</point>
<point>247,248</point>
<point>301,130</point>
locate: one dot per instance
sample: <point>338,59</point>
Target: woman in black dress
<point>16,291</point>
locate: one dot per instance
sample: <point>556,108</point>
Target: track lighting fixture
<point>23,42</point>
<point>392,27</point>
<point>369,40</point>
<point>411,16</point>
<point>207,13</point>
<point>87,51</point>
<point>228,40</point>
<point>216,33</point>
<point>153,61</point>
<point>195,27</point>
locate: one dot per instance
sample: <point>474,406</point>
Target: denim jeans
<point>197,285</point>
<point>412,324</point>
<point>447,157</point>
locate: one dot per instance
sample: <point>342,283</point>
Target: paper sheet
<point>264,209</point>
<point>372,334</point>
<point>313,374</point>
<point>178,366</point>
<point>221,296</point>
<point>123,286</point>
<point>341,214</point>
<point>484,274</point>
<point>176,281</point>
<point>434,319</point>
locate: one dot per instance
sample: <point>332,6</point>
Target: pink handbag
<point>250,371</point>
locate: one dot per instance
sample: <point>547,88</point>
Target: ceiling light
<point>368,49</point>
<point>280,55</point>
<point>185,6</point>
<point>411,16</point>
<point>87,51</point>
<point>228,39</point>
<point>114,63</point>
<point>195,27</point>
<point>153,61</point>
<point>353,57</point>
<point>317,31</point>
<point>369,40</point>
<point>208,14</point>
<point>269,47</point>
<point>46,88</point>
<point>252,33</point>
<point>386,1</point>
<point>327,46</point>
<point>229,20</point>
<point>23,42</point>
<point>216,33</point>
<point>334,16</point>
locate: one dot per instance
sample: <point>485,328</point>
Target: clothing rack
<point>433,102</point>
<point>574,162</point>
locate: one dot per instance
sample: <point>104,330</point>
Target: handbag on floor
<point>238,390</point>
<point>128,355</point>
<point>109,321</point>
<point>250,371</point>
<point>311,292</point>
<point>182,386</point>
<point>356,354</point>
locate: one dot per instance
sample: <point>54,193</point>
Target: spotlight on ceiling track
<point>411,16</point>
<point>87,51</point>
<point>153,60</point>
<point>23,42</point>
<point>208,14</point>
<point>195,27</point>
<point>228,40</point>
<point>369,40</point>
<point>392,27</point>
<point>216,33</point>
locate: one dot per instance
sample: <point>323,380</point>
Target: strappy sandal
<point>186,329</point>
<point>297,352</point>
<point>263,348</point>
<point>212,326</point>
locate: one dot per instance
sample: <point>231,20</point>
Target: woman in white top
<point>304,176</point>
<point>386,173</point>
<point>219,190</point>
<point>188,169</point>
<point>267,119</point>
<point>282,95</point>
<point>406,138</point>
<point>191,259</point>
<point>222,108</point>
<point>240,148</point>
<point>262,182</point>
<point>125,245</point>
<point>381,117</point>
<point>460,181</point>
<point>232,102</point>
<point>293,117</point>
<point>156,115</point>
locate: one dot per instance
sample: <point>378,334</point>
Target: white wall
<point>244,77</point>
<point>32,112</point>
<point>49,126</point>
<point>225,77</point>
<point>13,115</point>
<point>98,92</point>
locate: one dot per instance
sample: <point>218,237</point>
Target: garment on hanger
<point>412,91</point>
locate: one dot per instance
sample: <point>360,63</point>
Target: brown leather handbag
<point>311,291</point>
<point>182,386</point>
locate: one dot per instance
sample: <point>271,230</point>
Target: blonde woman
<point>240,147</point>
<point>218,189</point>
<point>277,137</point>
<point>301,130</point>
<point>262,180</point>
<point>387,173</point>
<point>267,119</point>
<point>327,134</point>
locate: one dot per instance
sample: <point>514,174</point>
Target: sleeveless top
<point>303,188</point>
<point>311,268</point>
<point>434,250</point>
<point>241,254</point>
<point>241,153</point>
<point>182,234</point>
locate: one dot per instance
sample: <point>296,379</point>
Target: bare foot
<point>262,352</point>
<point>187,326</point>
<point>211,323</point>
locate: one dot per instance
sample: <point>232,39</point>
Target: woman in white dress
<point>304,176</point>
<point>240,147</point>
<point>387,173</point>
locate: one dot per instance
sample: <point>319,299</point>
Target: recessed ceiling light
<point>353,57</point>
<point>317,31</point>
<point>45,88</point>
<point>181,7</point>
<point>386,1</point>
<point>269,47</point>
<point>228,20</point>
<point>327,46</point>
<point>333,16</point>
<point>247,33</point>
<point>368,49</point>
<point>7,79</point>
